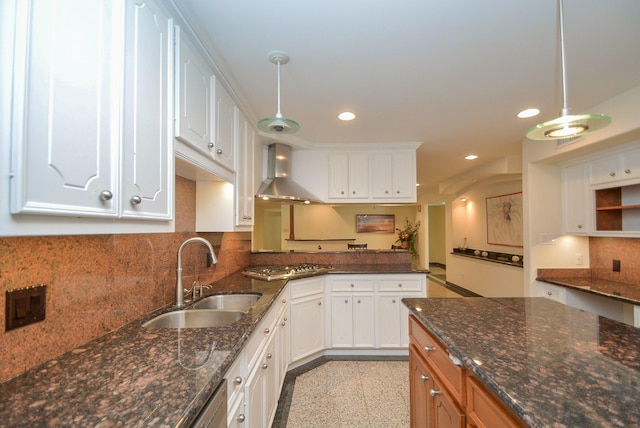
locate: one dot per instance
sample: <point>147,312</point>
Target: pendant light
<point>567,125</point>
<point>278,124</point>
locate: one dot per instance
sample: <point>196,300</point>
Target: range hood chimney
<point>279,186</point>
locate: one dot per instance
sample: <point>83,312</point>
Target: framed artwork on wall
<point>504,220</point>
<point>375,223</point>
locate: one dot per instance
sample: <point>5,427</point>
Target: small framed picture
<point>375,223</point>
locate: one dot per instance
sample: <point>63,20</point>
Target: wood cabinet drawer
<point>484,409</point>
<point>451,375</point>
<point>353,283</point>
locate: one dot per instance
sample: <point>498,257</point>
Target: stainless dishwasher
<point>214,413</point>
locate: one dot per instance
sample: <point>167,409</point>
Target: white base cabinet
<point>307,317</point>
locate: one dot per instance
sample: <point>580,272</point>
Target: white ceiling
<point>449,73</point>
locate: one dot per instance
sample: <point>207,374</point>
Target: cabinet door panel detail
<point>65,129</point>
<point>147,147</point>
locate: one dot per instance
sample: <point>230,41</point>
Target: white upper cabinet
<point>65,129</point>
<point>245,178</point>
<point>576,219</point>
<point>225,113</point>
<point>349,175</point>
<point>614,168</point>
<point>87,142</point>
<point>193,114</point>
<point>393,175</point>
<point>147,154</point>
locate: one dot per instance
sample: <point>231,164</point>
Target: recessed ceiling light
<point>471,157</point>
<point>530,112</point>
<point>347,115</point>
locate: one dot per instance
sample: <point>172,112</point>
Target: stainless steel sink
<point>227,301</point>
<point>190,318</point>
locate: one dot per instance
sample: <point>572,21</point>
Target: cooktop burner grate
<point>278,272</point>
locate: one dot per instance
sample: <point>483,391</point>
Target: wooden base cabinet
<point>444,394</point>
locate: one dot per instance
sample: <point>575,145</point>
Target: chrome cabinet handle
<point>219,151</point>
<point>106,195</point>
<point>319,303</point>
<point>359,301</point>
<point>579,226</point>
<point>283,323</point>
<point>398,192</point>
<point>400,285</point>
<point>238,380</point>
<point>352,285</point>
<point>613,174</point>
<point>346,300</point>
<point>627,171</point>
<point>393,301</point>
<point>342,192</point>
<point>269,356</point>
<point>284,300</point>
<point>285,318</point>
<point>429,348</point>
<point>135,200</point>
<point>267,331</point>
<point>265,366</point>
<point>210,145</point>
<point>424,378</point>
<point>549,293</point>
<point>434,392</point>
<point>240,418</point>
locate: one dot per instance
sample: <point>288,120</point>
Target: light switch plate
<point>25,306</point>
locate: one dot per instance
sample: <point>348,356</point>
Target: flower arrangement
<point>407,237</point>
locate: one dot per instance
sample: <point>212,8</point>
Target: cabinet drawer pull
<point>424,378</point>
<point>613,174</point>
<point>434,392</point>
<point>400,285</point>
<point>428,349</point>
<point>238,380</point>
<point>352,285</point>
<point>579,226</point>
<point>284,300</point>
<point>267,331</point>
<point>319,303</point>
<point>269,356</point>
<point>265,366</point>
<point>136,200</point>
<point>359,301</point>
<point>393,301</point>
<point>346,300</point>
<point>240,418</point>
<point>283,323</point>
<point>219,151</point>
<point>210,145</point>
<point>106,195</point>
<point>549,293</point>
<point>627,171</point>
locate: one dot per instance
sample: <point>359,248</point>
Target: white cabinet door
<point>389,321</point>
<point>363,321</point>
<point>245,174</point>
<point>624,165</point>
<point>575,193</point>
<point>348,175</point>
<point>342,320</point>
<point>147,155</point>
<point>193,119</point>
<point>307,326</point>
<point>393,175</point>
<point>67,71</point>
<point>270,380</point>
<point>254,396</point>
<point>225,115</point>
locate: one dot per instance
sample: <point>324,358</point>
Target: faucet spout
<point>179,287</point>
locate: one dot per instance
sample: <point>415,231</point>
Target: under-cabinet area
<point>601,194</point>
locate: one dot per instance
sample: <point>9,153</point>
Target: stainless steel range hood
<point>279,187</point>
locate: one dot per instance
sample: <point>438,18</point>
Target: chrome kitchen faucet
<point>179,288</point>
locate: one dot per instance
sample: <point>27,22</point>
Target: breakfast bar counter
<point>550,364</point>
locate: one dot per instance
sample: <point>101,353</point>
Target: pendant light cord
<point>278,114</point>
<point>565,108</point>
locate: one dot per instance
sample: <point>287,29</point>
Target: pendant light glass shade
<point>567,125</point>
<point>278,124</point>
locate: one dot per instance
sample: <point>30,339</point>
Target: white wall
<point>469,220</point>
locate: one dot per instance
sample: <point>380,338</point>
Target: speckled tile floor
<point>360,393</point>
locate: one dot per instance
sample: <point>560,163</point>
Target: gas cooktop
<point>276,272</point>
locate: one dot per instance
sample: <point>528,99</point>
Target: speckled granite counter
<point>551,364</point>
<point>374,269</point>
<point>582,280</point>
<point>134,376</point>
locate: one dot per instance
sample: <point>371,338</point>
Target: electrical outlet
<point>25,306</point>
<point>579,259</point>
<point>616,265</point>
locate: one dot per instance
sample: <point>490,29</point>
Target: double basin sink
<point>212,311</point>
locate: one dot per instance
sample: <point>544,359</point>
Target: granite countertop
<point>135,376</point>
<point>374,269</point>
<point>628,293</point>
<point>551,364</point>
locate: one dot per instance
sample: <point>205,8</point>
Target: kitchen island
<point>548,363</point>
